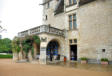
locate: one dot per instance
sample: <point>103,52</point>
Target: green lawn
<point>6,56</point>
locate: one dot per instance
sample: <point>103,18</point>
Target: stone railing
<point>42,29</point>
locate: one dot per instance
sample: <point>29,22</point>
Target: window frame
<point>73,19</point>
<point>48,5</point>
<point>72,2</point>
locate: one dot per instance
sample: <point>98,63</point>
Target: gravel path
<point>9,68</point>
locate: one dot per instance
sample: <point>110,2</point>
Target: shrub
<point>6,56</point>
<point>104,59</point>
<point>84,58</point>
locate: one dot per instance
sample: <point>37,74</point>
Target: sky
<point>19,15</point>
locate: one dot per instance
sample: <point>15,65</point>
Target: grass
<point>6,56</point>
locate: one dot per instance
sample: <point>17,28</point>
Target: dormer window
<point>48,5</point>
<point>72,2</point>
<point>59,7</point>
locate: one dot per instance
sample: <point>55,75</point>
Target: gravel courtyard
<point>9,68</point>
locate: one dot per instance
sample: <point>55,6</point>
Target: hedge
<point>6,56</point>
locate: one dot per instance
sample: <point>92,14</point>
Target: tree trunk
<point>29,56</point>
<point>15,57</point>
<point>24,55</point>
<point>20,55</point>
<point>35,50</point>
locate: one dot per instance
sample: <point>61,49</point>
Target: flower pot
<point>83,61</point>
<point>104,62</point>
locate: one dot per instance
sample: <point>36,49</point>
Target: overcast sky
<point>19,15</point>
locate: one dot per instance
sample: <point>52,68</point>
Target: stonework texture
<point>94,32</point>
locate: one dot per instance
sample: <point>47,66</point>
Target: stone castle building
<point>75,29</point>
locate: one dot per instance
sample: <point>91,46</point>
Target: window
<point>74,1</point>
<point>72,22</point>
<point>48,5</point>
<point>70,41</point>
<point>46,17</point>
<point>75,40</point>
<point>103,50</point>
<point>71,2</point>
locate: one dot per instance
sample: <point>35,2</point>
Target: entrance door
<point>73,52</point>
<point>52,50</point>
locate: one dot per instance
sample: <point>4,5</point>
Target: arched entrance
<point>53,50</point>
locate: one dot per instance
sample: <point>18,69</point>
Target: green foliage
<point>6,56</point>
<point>36,39</point>
<point>32,51</point>
<point>16,45</point>
<point>104,59</point>
<point>27,44</point>
<point>84,58</point>
<point>5,45</point>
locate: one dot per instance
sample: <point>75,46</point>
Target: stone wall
<point>93,33</point>
<point>49,37</point>
<point>95,27</point>
<point>56,21</point>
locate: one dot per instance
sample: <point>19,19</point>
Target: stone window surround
<point>47,5</point>
<point>73,3</point>
<point>72,41</point>
<point>73,26</point>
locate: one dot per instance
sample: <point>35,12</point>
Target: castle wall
<point>49,37</point>
<point>56,21</point>
<point>94,25</point>
<point>95,28</point>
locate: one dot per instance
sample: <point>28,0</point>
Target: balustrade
<point>42,29</point>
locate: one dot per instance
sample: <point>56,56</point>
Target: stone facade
<point>93,32</point>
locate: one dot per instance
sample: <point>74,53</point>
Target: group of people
<point>53,57</point>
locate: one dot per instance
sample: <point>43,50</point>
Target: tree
<point>15,45</point>
<point>30,44</point>
<point>5,45</point>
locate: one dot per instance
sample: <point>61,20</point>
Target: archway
<point>53,50</point>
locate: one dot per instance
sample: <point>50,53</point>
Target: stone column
<point>42,59</point>
<point>35,50</point>
<point>20,55</point>
<point>15,57</point>
<point>30,56</point>
<point>35,53</point>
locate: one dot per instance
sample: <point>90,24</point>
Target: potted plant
<point>104,61</point>
<point>83,60</point>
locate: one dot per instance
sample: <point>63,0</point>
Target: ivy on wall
<point>27,44</point>
<point>16,45</point>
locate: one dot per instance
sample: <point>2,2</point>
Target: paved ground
<point>8,68</point>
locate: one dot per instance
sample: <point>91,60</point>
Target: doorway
<point>52,50</point>
<point>73,52</point>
